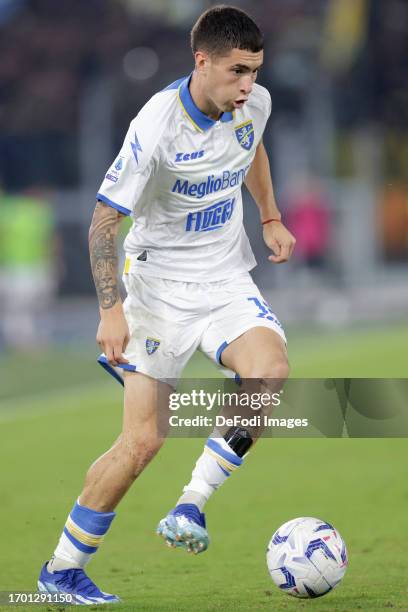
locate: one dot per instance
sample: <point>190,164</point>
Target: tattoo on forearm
<point>103,253</point>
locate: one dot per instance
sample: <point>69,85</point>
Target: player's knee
<point>278,369</point>
<point>273,369</point>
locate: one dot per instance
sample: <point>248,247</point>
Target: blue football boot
<point>76,583</point>
<point>184,526</point>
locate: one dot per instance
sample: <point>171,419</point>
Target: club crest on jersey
<point>152,345</point>
<point>245,134</point>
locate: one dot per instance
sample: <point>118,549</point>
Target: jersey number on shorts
<point>265,311</point>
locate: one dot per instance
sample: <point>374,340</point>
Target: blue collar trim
<point>198,118</point>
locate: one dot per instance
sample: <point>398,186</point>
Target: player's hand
<point>279,239</point>
<point>113,334</point>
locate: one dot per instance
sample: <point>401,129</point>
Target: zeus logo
<point>211,218</point>
<point>187,156</point>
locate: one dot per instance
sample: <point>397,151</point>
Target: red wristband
<point>270,221</point>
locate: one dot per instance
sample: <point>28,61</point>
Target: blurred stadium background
<point>73,73</point>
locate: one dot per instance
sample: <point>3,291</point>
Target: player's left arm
<point>259,182</point>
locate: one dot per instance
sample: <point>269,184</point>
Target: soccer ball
<point>306,557</point>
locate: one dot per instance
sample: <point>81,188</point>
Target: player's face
<point>230,78</point>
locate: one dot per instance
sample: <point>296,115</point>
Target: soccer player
<point>179,175</point>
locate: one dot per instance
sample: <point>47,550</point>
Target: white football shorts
<point>168,320</point>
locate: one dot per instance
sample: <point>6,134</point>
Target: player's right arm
<point>113,331</point>
<point>117,197</point>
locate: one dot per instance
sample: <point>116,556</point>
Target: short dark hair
<point>223,28</point>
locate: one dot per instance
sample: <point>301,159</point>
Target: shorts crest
<point>245,134</point>
<point>152,345</point>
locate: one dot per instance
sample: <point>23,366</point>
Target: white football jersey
<point>179,175</point>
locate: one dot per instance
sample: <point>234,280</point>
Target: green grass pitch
<point>53,430</point>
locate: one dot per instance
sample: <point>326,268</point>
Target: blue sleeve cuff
<point>121,209</point>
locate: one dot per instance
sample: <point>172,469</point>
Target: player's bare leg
<point>110,476</point>
<point>259,353</point>
<point>259,357</point>
<point>107,481</point>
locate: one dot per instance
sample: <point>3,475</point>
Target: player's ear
<point>201,61</point>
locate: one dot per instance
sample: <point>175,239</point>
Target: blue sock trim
<point>217,448</point>
<point>82,547</point>
<point>91,521</point>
